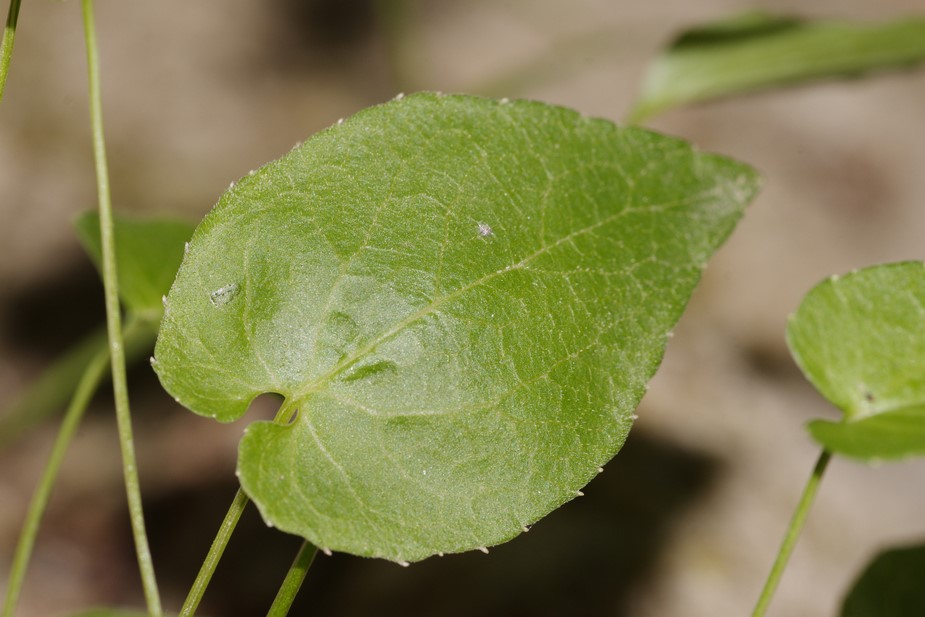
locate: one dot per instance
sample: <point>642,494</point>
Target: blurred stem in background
<point>6,46</point>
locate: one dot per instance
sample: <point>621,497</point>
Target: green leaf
<point>860,340</point>
<point>757,51</point>
<point>464,300</point>
<point>148,254</point>
<point>891,586</point>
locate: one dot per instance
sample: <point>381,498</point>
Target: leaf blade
<point>148,254</point>
<point>890,586</point>
<point>758,51</point>
<point>444,277</point>
<point>860,340</point>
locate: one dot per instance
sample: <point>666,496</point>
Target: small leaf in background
<point>860,340</point>
<point>891,586</point>
<point>757,51</point>
<point>463,298</point>
<point>148,254</point>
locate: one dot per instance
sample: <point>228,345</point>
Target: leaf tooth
<point>484,549</point>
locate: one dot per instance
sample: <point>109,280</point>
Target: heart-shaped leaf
<point>463,299</point>
<point>757,51</point>
<point>860,340</point>
<point>148,254</point>
<point>891,586</point>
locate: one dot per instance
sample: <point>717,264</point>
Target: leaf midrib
<point>316,385</point>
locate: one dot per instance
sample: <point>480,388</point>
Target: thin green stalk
<point>215,554</point>
<point>114,322</point>
<point>94,371</point>
<point>50,393</point>
<point>6,46</point>
<point>793,533</point>
<point>293,581</point>
<point>89,382</point>
<point>194,597</point>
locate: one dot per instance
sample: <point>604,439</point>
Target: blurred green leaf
<point>891,586</point>
<point>860,340</point>
<point>148,254</point>
<point>464,300</point>
<point>757,51</point>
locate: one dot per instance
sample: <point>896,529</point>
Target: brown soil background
<point>684,522</point>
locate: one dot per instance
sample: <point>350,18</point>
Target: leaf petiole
<point>6,46</point>
<point>89,381</point>
<point>240,501</point>
<point>793,533</point>
<point>293,581</point>
<point>114,320</point>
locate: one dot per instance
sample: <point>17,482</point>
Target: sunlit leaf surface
<point>860,339</point>
<point>757,51</point>
<point>462,298</point>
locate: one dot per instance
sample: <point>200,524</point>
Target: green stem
<point>793,533</point>
<point>93,374</point>
<point>6,46</point>
<point>215,554</point>
<point>293,581</point>
<point>114,322</point>
<point>194,597</point>
<point>50,392</point>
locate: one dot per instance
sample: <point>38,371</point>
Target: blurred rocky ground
<point>684,522</point>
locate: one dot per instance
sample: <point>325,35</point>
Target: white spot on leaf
<point>223,295</point>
